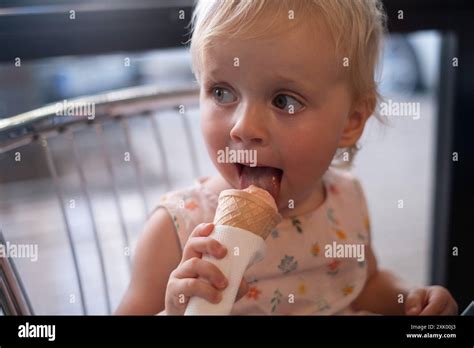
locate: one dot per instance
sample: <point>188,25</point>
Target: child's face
<point>284,97</point>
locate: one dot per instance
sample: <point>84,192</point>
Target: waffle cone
<point>247,211</point>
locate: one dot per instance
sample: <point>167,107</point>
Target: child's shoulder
<point>343,179</point>
<point>191,198</point>
<point>189,206</point>
<point>346,191</point>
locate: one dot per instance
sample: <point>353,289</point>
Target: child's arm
<point>383,293</point>
<point>157,254</point>
<point>161,273</point>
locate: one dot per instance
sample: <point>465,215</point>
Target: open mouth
<point>267,178</point>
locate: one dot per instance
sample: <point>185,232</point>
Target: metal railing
<point>42,124</point>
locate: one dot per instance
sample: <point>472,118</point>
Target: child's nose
<point>250,128</point>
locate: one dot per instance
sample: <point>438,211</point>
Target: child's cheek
<point>214,134</point>
<point>308,157</point>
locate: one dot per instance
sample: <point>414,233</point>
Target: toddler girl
<point>291,82</point>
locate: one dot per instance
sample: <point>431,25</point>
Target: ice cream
<point>243,219</point>
<point>252,209</point>
<point>263,194</point>
<point>267,178</point>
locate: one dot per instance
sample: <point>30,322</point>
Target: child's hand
<point>183,282</point>
<point>432,300</point>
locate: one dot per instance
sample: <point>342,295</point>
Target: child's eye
<point>223,95</point>
<point>287,103</point>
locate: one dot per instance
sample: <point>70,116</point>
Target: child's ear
<point>356,120</point>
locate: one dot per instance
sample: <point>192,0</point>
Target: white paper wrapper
<point>243,250</point>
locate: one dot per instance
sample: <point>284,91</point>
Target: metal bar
<point>136,164</point>
<point>36,27</point>
<point>108,164</point>
<point>161,149</point>
<point>7,146</point>
<point>59,194</point>
<point>124,102</point>
<point>190,141</point>
<point>95,232</point>
<point>99,6</point>
<point>442,203</point>
<point>11,276</point>
<point>460,240</point>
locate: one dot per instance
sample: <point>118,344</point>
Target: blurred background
<point>68,187</point>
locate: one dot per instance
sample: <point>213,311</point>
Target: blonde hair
<point>357,28</point>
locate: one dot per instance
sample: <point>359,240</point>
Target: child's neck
<point>310,203</point>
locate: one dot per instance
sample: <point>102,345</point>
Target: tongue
<point>266,178</point>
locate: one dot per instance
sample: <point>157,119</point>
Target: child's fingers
<point>196,267</point>
<point>191,287</point>
<point>414,302</point>
<point>436,304</point>
<point>243,289</point>
<point>451,309</point>
<point>196,246</point>
<point>433,308</point>
<point>202,230</point>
